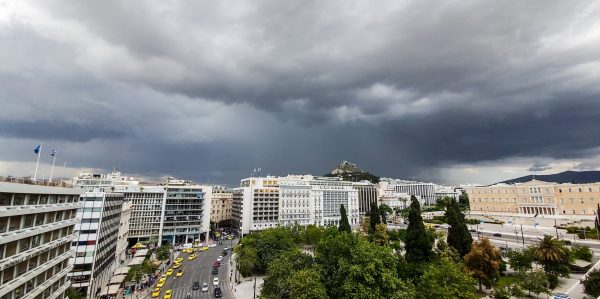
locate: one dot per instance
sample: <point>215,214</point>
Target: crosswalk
<point>181,293</point>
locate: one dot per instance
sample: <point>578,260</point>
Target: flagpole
<point>38,162</point>
<point>52,169</point>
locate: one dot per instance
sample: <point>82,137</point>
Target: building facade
<point>222,199</point>
<point>425,192</point>
<point>256,204</point>
<point>536,198</point>
<point>37,226</point>
<point>367,194</point>
<point>96,245</point>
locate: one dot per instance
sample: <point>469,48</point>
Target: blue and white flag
<point>36,150</point>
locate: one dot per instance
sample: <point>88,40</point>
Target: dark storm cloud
<point>214,89</point>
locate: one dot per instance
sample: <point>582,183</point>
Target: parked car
<point>220,258</point>
<point>216,281</point>
<point>497,235</point>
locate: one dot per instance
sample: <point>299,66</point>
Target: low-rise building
<point>222,199</point>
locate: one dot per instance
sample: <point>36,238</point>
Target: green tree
<point>591,284</point>
<point>483,261</point>
<point>263,247</point>
<point>418,245</point>
<point>277,282</point>
<point>535,282</point>
<point>344,224</point>
<point>306,284</point>
<point>520,260</point>
<point>163,253</point>
<point>582,253</point>
<point>247,259</point>
<point>331,252</point>
<point>72,293</point>
<point>380,237</point>
<point>446,279</point>
<point>383,211</point>
<point>374,217</point>
<point>459,236</point>
<point>463,200</point>
<point>312,235</point>
<point>552,254</point>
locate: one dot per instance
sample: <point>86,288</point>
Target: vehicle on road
<point>192,257</point>
<point>224,253</point>
<point>220,258</point>
<point>196,285</point>
<point>212,245</point>
<point>215,271</point>
<point>176,265</point>
<point>204,248</point>
<point>168,294</point>
<point>155,292</point>
<point>227,248</point>
<point>497,235</point>
<point>161,282</point>
<point>218,292</point>
<point>179,273</point>
<point>169,272</point>
<point>216,281</point>
<point>205,287</point>
<point>178,260</point>
<point>216,264</point>
<point>561,296</point>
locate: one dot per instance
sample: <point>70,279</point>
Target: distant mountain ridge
<point>575,177</point>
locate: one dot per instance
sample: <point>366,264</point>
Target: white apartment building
<point>425,192</point>
<point>256,204</point>
<point>96,246</point>
<point>262,203</point>
<point>36,230</point>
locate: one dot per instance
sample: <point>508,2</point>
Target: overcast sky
<point>451,92</point>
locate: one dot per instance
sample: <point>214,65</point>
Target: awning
<point>138,246</point>
<point>117,279</point>
<point>109,290</point>
<point>141,252</point>
<point>136,261</point>
<point>122,270</point>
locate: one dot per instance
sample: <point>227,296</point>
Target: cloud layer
<point>210,90</point>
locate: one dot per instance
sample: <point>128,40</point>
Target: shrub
<point>582,253</point>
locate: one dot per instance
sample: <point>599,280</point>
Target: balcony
<point>6,211</point>
<point>11,285</point>
<point>17,258</point>
<point>7,237</point>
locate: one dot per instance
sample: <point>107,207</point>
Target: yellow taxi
<point>155,292</point>
<point>229,238</point>
<point>179,260</point>
<point>192,257</point>
<point>179,273</point>
<point>161,283</point>
<point>169,272</point>
<point>167,294</point>
<point>204,248</point>
<point>195,249</point>
<point>187,250</point>
<point>176,265</point>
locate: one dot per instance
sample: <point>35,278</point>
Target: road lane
<point>199,270</point>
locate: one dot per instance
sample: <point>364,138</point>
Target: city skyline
<point>476,93</point>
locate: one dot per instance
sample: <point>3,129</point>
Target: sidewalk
<point>244,289</point>
<point>146,291</point>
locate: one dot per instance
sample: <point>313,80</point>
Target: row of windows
<point>32,284</point>
<point>13,223</point>
<point>19,199</point>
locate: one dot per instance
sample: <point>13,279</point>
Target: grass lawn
<point>506,280</point>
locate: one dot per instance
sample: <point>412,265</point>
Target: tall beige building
<point>536,197</point>
<point>36,230</point>
<point>222,199</point>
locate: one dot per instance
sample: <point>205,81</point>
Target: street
<point>199,270</point>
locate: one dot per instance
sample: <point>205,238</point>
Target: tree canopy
<point>459,236</point>
<point>483,261</point>
<point>418,245</point>
<point>344,224</point>
<point>445,279</point>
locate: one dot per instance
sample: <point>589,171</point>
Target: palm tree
<point>550,250</point>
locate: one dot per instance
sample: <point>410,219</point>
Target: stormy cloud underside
<point>210,90</point>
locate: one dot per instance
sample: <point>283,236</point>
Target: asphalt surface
<point>199,270</point>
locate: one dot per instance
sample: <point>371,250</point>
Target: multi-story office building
<point>256,204</point>
<point>176,211</point>
<point>367,194</point>
<point>536,198</point>
<point>123,232</point>
<point>187,210</point>
<point>222,199</point>
<point>425,192</point>
<point>96,246</point>
<point>36,230</point>
<point>262,203</point>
